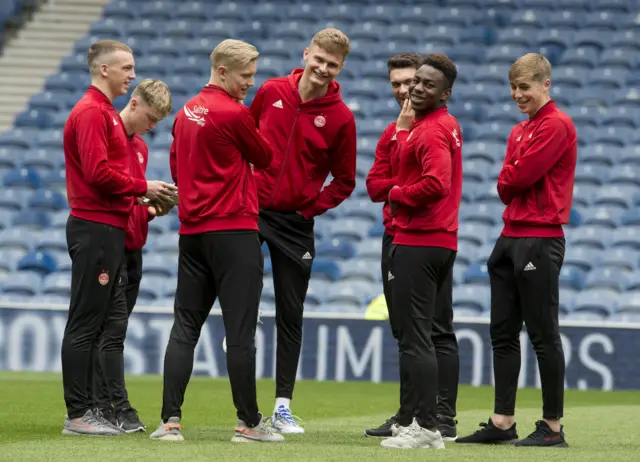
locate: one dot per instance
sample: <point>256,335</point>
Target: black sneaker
<point>447,428</point>
<point>545,437</point>
<point>384,430</point>
<point>490,434</point>
<point>129,421</point>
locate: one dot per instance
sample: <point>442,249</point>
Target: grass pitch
<point>599,426</point>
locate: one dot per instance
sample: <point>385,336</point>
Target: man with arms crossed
<point>101,194</point>
<point>381,178</point>
<point>314,133</point>
<point>425,205</point>
<point>150,103</point>
<point>215,144</point>
<point>536,185</point>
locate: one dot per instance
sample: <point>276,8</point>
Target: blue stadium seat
<point>476,273</point>
<point>26,283</point>
<point>32,220</point>
<point>475,297</point>
<point>37,261</point>
<point>47,200</point>
<point>325,268</point>
<point>572,278</point>
<point>603,302</point>
<point>629,302</point>
<point>369,249</point>
<point>119,10</point>
<point>359,270</point>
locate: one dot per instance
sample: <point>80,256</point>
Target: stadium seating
<point>594,46</point>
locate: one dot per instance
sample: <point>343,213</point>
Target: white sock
<point>282,402</point>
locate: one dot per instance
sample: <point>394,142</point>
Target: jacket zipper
<point>286,156</point>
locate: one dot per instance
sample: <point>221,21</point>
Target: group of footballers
<point>249,175</point>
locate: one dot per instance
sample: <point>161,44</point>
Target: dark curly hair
<point>443,64</point>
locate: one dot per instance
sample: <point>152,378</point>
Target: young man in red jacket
<point>314,133</point>
<point>424,204</point>
<point>150,103</point>
<point>536,185</point>
<point>380,180</point>
<point>216,144</point>
<point>101,193</point>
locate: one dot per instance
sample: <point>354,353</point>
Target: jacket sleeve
<point>380,178</point>
<point>173,161</point>
<point>343,169</point>
<point>547,145</point>
<point>505,192</point>
<point>433,151</point>
<point>256,106</point>
<point>93,140</point>
<point>251,143</point>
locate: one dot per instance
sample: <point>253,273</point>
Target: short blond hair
<point>101,49</point>
<point>233,54</point>
<point>531,64</point>
<point>332,41</point>
<point>156,95</point>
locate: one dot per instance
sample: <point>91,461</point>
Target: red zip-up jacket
<point>138,225</point>
<point>215,142</point>
<point>383,173</point>
<point>537,176</point>
<point>429,183</point>
<point>311,140</point>
<point>100,187</point>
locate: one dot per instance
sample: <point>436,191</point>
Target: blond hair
<point>332,41</point>
<point>100,50</point>
<point>531,64</point>
<point>233,54</point>
<point>156,95</point>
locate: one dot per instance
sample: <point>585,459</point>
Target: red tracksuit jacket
<point>430,183</point>
<point>96,151</point>
<point>537,176</point>
<point>215,143</point>
<point>383,173</point>
<point>138,225</point>
<point>311,140</point>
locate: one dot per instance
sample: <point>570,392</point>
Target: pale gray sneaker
<point>89,425</point>
<point>261,433</point>
<point>170,431</point>
<point>414,437</point>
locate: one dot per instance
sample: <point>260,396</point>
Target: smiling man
<point>424,205</point>
<point>215,144</point>
<point>314,133</point>
<point>536,185</point>
<point>382,177</point>
<point>101,192</point>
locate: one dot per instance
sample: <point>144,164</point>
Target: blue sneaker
<point>283,421</point>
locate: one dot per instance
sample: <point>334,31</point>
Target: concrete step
<point>17,71</point>
<point>24,81</point>
<point>81,17</point>
<point>56,26</point>
<point>69,36</point>
<point>56,53</point>
<point>43,44</point>
<point>11,100</point>
<point>46,62</point>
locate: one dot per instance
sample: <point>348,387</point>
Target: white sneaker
<point>283,421</point>
<point>414,437</point>
<point>170,431</point>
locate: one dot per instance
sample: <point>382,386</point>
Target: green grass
<point>335,414</point>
